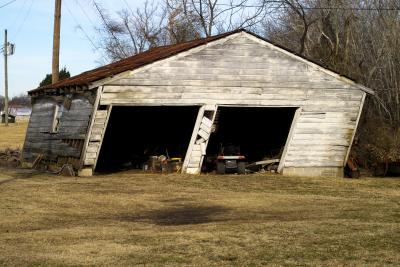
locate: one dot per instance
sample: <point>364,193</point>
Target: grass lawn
<point>145,219</point>
<point>12,136</point>
<point>141,219</point>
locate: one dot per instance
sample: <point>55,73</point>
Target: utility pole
<point>8,50</point>
<point>5,77</point>
<point>56,42</point>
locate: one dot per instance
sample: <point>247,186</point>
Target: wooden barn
<point>189,99</point>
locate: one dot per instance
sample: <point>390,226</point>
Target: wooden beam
<point>355,129</point>
<point>95,107</point>
<point>109,109</point>
<point>193,139</point>
<point>289,139</point>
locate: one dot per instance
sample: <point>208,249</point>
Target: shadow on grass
<point>182,215</point>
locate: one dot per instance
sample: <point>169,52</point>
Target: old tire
<point>241,168</point>
<point>220,167</point>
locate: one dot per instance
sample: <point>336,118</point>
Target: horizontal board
<point>341,142</point>
<point>197,153</point>
<point>101,114</point>
<point>74,123</point>
<point>327,163</point>
<point>278,83</point>
<point>92,149</point>
<point>318,136</point>
<point>204,96</point>
<point>317,130</point>
<point>194,166</point>
<point>203,134</point>
<point>90,155</point>
<point>89,161</point>
<point>195,102</point>
<point>97,130</point>
<point>95,137</point>
<point>196,147</point>
<point>316,153</point>
<point>344,120</point>
<point>53,151</point>
<point>205,128</point>
<point>100,121</point>
<point>225,89</point>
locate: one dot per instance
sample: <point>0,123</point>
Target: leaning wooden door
<point>199,141</point>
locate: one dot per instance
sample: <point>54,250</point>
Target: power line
<point>129,7</point>
<point>6,4</point>
<point>18,15</point>
<point>24,20</point>
<point>313,8</point>
<point>85,13</point>
<point>80,27</point>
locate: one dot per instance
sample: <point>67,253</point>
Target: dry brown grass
<point>153,220</point>
<point>13,136</point>
<point>141,219</point>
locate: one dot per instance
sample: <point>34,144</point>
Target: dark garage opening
<point>135,133</point>
<point>261,133</point>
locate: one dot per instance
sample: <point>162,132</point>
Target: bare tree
<point>132,32</point>
<point>174,21</point>
<point>360,39</point>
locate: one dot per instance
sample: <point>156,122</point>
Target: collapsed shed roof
<point>85,79</point>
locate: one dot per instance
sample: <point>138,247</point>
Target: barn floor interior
<point>135,133</point>
<point>259,132</point>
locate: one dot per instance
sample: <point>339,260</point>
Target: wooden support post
<point>288,140</point>
<point>109,109</point>
<point>87,138</point>
<point>355,129</point>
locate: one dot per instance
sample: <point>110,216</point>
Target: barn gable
<point>236,70</point>
<point>239,60</point>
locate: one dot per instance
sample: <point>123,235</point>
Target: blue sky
<point>30,27</point>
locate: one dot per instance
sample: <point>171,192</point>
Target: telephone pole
<point>5,78</point>
<point>8,50</point>
<point>56,42</point>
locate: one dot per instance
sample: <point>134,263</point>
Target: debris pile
<point>163,164</point>
<point>10,158</point>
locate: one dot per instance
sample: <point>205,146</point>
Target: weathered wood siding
<point>65,145</point>
<point>244,71</point>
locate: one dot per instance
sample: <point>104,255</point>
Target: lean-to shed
<point>178,97</point>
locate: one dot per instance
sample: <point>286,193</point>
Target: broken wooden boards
<point>199,141</point>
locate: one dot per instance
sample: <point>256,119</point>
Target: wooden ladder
<point>199,141</point>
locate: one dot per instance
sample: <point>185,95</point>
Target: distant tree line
<point>16,101</point>
<point>357,38</point>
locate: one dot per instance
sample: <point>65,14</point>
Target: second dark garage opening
<point>259,132</point>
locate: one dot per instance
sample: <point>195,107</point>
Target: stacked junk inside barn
<point>231,103</point>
